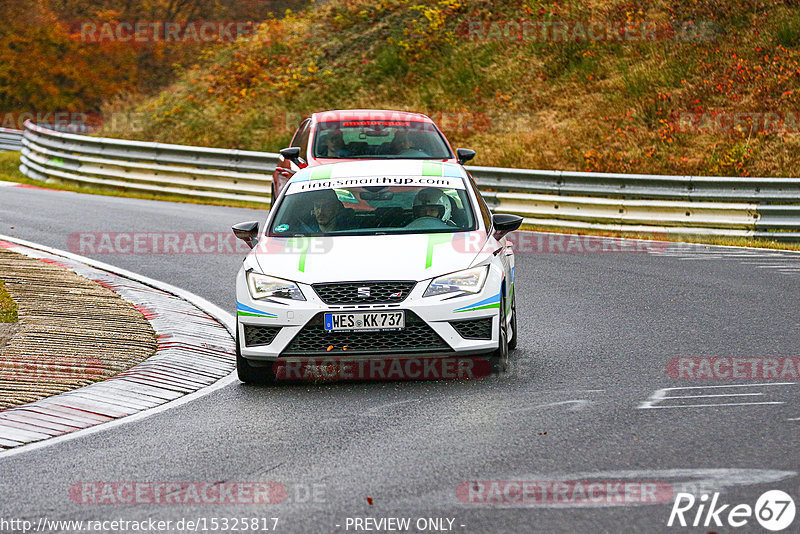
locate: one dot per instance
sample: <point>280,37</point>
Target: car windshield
<point>372,210</point>
<point>379,139</point>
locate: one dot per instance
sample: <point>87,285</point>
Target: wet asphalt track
<point>597,332</point>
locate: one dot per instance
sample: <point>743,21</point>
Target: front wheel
<point>248,373</point>
<point>514,331</point>
<point>499,358</point>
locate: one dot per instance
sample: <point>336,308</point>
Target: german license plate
<point>365,321</point>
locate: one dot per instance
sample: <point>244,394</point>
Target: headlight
<point>262,286</point>
<point>469,280</point>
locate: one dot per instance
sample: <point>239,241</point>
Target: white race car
<point>397,260</point>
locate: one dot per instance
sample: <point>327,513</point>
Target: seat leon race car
<point>362,134</point>
<point>373,261</point>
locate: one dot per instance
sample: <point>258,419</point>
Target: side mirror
<point>292,154</point>
<point>464,155</point>
<point>247,232</point>
<point>504,223</point>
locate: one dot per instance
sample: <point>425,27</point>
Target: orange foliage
<point>46,67</point>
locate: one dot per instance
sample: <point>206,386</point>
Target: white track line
<point>714,405</point>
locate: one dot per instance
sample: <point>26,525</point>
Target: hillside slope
<point>537,84</point>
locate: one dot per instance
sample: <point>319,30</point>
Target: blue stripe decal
<point>302,175</point>
<point>242,307</point>
<point>451,171</point>
<point>491,300</point>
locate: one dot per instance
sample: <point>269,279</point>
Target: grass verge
<point>8,308</point>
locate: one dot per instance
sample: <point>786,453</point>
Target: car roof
<point>395,167</point>
<point>368,114</point>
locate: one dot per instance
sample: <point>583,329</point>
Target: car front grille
<point>355,293</point>
<point>255,336</point>
<point>474,328</point>
<point>417,336</point>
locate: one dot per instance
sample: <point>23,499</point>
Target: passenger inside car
<point>334,145</point>
<point>329,214</point>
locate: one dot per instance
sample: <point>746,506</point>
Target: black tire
<point>512,345</point>
<point>248,373</point>
<point>499,358</point>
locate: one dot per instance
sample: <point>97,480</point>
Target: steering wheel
<point>413,152</point>
<point>423,223</point>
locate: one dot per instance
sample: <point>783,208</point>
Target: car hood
<point>353,258</point>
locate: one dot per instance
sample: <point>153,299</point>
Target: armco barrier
<point>10,140</point>
<point>148,167</point>
<point>583,201</point>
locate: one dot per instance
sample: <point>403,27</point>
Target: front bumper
<point>435,326</point>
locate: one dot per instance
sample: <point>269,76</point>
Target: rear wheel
<point>499,358</point>
<point>250,374</point>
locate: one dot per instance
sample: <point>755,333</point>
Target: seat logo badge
<point>363,292</point>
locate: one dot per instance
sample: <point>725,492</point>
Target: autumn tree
<point>46,66</point>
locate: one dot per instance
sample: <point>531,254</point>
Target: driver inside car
<point>432,203</point>
<point>403,146</point>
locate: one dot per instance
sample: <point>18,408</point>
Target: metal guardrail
<point>654,204</point>
<point>688,205</point>
<point>197,172</point>
<point>10,140</point>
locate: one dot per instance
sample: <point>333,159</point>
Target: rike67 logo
<point>774,510</point>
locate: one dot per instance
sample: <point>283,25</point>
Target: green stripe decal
<point>247,314</point>
<point>485,304</point>
<point>433,240</point>
<point>431,168</point>
<point>323,172</point>
<point>302,244</point>
<point>242,309</point>
<point>486,307</point>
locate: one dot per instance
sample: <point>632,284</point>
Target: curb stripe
<point>195,350</point>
